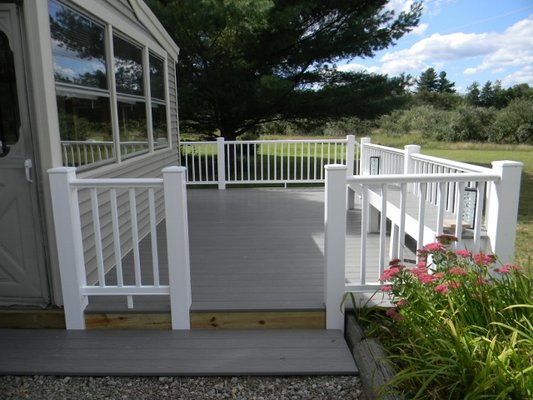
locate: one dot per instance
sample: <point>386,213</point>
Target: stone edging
<point>369,356</point>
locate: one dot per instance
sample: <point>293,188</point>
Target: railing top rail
<point>100,142</point>
<point>450,163</point>
<point>385,148</point>
<point>333,141</point>
<point>117,182</point>
<point>422,178</point>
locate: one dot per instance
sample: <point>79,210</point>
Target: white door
<point>23,278</point>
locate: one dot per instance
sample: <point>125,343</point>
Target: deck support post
<point>179,274</point>
<point>503,209</point>
<point>350,158</point>
<point>335,244</point>
<point>364,166</point>
<point>221,164</point>
<point>67,225</point>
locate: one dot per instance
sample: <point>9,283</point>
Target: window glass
<point>159,125</point>
<point>85,129</point>
<point>157,78</point>
<point>132,123</point>
<point>9,112</point>
<point>78,47</point>
<point>128,67</point>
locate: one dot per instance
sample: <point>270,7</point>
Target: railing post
<point>221,164</point>
<point>364,162</point>
<point>503,209</point>
<point>177,229</point>
<point>67,225</point>
<point>409,164</point>
<point>350,158</point>
<point>334,244</point>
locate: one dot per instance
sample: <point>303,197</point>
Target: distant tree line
<point>484,113</point>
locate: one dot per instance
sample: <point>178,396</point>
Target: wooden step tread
<point>178,353</point>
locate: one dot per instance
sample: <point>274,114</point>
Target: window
<point>86,114</point>
<point>158,103</point>
<point>9,112</point>
<point>78,48</point>
<point>128,69</point>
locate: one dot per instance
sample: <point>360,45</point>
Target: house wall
<point>132,18</point>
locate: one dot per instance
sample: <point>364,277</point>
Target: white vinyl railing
<point>403,199</point>
<point>80,152</point>
<point>265,161</point>
<point>109,198</point>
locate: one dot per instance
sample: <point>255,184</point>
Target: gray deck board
<point>259,248</point>
<point>130,352</point>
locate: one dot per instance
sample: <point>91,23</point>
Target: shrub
<point>514,124</point>
<point>470,123</point>
<point>464,327</point>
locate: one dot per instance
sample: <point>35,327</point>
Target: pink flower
<point>484,259</point>
<point>463,253</point>
<point>454,285</point>
<point>402,302</point>
<point>386,288</point>
<point>418,270</point>
<point>392,313</point>
<point>442,289</point>
<point>426,278</point>
<point>505,269</point>
<point>389,273</point>
<point>422,264</point>
<point>434,247</point>
<point>438,275</point>
<point>457,271</point>
<point>481,281</point>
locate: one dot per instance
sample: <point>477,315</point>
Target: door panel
<point>23,278</point>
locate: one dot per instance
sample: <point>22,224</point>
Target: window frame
<point>148,47</point>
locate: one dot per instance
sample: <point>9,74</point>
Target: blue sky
<point>472,40</point>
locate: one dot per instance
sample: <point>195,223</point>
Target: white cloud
<point>64,71</point>
<point>524,75</point>
<point>354,67</point>
<point>514,48</point>
<point>399,5</point>
<point>420,29</point>
<point>511,48</point>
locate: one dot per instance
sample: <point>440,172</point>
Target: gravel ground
<point>244,388</point>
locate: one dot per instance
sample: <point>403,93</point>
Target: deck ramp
<point>174,353</point>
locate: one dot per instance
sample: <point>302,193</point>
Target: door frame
<point>18,43</point>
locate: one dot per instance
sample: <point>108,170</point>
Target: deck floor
<point>183,353</point>
<point>253,249</point>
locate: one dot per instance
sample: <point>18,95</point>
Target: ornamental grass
<point>461,327</point>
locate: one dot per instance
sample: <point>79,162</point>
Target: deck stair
<point>182,353</point>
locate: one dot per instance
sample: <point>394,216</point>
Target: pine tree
<point>444,85</point>
<point>427,82</point>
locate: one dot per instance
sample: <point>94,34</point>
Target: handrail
<point>450,163</point>
<point>421,178</point>
<point>384,148</point>
<point>114,182</point>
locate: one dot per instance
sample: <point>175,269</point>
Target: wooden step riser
<point>54,319</point>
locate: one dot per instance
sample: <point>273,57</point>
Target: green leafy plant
<point>462,326</point>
